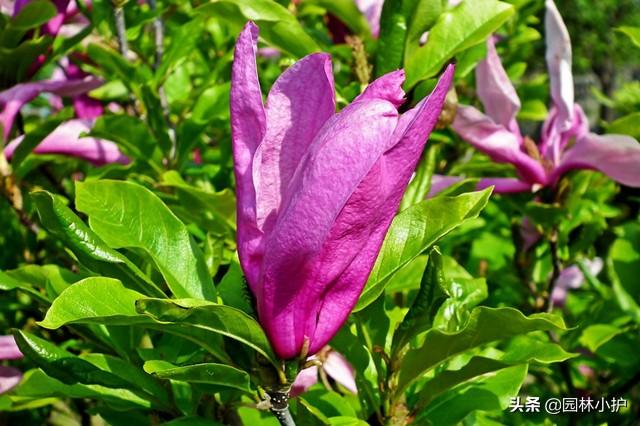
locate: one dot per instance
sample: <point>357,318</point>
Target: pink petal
<point>572,278</point>
<point>364,220</point>
<point>299,103</point>
<point>387,87</point>
<point>441,182</point>
<point>496,141</point>
<point>340,370</point>
<point>66,140</point>
<point>616,156</point>
<point>13,99</point>
<point>372,10</point>
<point>554,141</point>
<point>293,281</point>
<point>558,57</point>
<point>248,127</point>
<point>495,90</point>
<point>304,380</point>
<point>9,349</point>
<point>504,185</point>
<point>9,378</point>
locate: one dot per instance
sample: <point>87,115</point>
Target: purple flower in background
<point>334,365</point>
<point>572,278</point>
<point>66,140</point>
<point>9,376</point>
<point>566,142</point>
<point>316,189</point>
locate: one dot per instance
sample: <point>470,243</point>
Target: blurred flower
<point>572,278</point>
<point>317,190</point>
<point>334,365</point>
<point>67,140</point>
<point>566,142</point>
<point>9,376</point>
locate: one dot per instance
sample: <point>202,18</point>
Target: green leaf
<point>627,125</point>
<point>89,249</point>
<point>393,31</point>
<point>130,133</point>
<point>215,319</point>
<point>455,30</point>
<point>127,215</point>
<point>64,366</point>
<point>347,12</point>
<point>424,308</point>
<point>421,19</point>
<point>277,25</point>
<point>485,325</point>
<point>416,229</point>
<point>632,32</point>
<point>32,15</point>
<point>490,393</point>
<point>208,373</point>
<point>94,299</point>
<point>36,384</point>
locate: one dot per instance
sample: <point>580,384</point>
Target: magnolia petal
<point>248,127</point>
<point>553,141</point>
<point>339,369</point>
<point>441,182</point>
<point>13,99</point>
<point>504,185</point>
<point>572,278</point>
<point>363,222</point>
<point>498,96</point>
<point>372,10</point>
<point>299,103</point>
<point>497,142</point>
<point>304,380</point>
<point>9,349</point>
<point>9,378</point>
<point>387,87</point>
<point>66,139</point>
<point>617,156</point>
<point>558,58</point>
<point>293,280</point>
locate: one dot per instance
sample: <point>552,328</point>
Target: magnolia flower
<point>334,365</point>
<point>566,142</point>
<point>9,376</point>
<point>316,189</point>
<point>572,278</point>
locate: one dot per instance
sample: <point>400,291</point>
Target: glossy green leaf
<point>416,229</point>
<point>421,19</point>
<point>393,31</point>
<point>95,299</point>
<point>208,373</point>
<point>347,12</point>
<point>455,30</point>
<point>632,32</point>
<point>277,25</point>
<point>89,249</point>
<point>490,393</point>
<point>127,215</point>
<point>485,325</point>
<point>212,318</point>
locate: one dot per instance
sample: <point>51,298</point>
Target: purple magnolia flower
<point>66,140</point>
<point>572,278</point>
<point>316,189</point>
<point>9,376</point>
<point>334,365</point>
<point>566,142</point>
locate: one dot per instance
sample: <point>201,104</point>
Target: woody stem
<point>280,407</point>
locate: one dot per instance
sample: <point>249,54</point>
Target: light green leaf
<point>627,125</point>
<point>632,32</point>
<point>416,229</point>
<point>212,318</point>
<point>455,30</point>
<point>485,325</point>
<point>277,25</point>
<point>89,249</point>
<point>208,373</point>
<point>127,215</point>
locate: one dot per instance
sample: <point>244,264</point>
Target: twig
<point>280,407</point>
<point>121,29</point>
